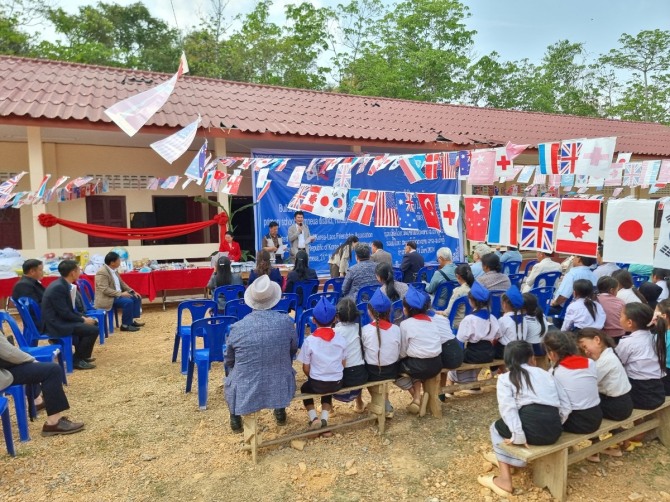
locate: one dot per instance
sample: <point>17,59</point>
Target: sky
<point>516,29</point>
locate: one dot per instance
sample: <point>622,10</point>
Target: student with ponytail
<point>390,287</point>
<point>643,354</point>
<point>625,290</point>
<point>381,345</point>
<point>578,377</point>
<point>535,323</point>
<point>532,408</point>
<point>511,323</point>
<point>660,277</point>
<point>612,306</point>
<point>349,328</point>
<point>583,312</point>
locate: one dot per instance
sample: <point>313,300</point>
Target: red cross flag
<point>595,157</point>
<point>450,213</point>
<point>363,207</point>
<point>629,231</point>
<point>427,202</point>
<point>578,227</point>
<point>504,166</point>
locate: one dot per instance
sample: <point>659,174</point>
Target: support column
<point>36,172</point>
<point>220,151</point>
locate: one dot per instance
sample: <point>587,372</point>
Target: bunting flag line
<point>170,182</point>
<point>450,165</point>
<point>427,202</point>
<point>363,207</point>
<point>299,197</point>
<point>264,190</point>
<point>504,166</point>
<point>9,185</point>
<point>595,157</point>
<point>476,217</point>
<point>196,169</point>
<point>174,146</point>
<point>450,208</point>
<point>464,162</point>
<point>43,187</point>
<point>343,176</point>
<point>133,112</point>
<point>406,211</point>
<point>578,227</point>
<point>386,214</point>
<point>570,151</point>
<point>412,166</point>
<point>432,166</point>
<point>482,170</point>
<point>549,153</point>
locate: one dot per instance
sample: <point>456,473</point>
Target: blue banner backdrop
<point>330,233</point>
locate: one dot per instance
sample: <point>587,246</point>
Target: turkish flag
<point>629,231</point>
<point>476,217</point>
<point>427,202</point>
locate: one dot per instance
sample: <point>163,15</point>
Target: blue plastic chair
<point>20,397</point>
<point>229,292</point>
<point>198,310</point>
<point>496,302</point>
<point>87,291</point>
<point>421,286</point>
<point>304,289</point>
<point>511,267</point>
<point>529,265</point>
<point>287,302</point>
<point>639,279</point>
<point>333,297</point>
<point>443,294</point>
<point>623,265</point>
<point>365,293</point>
<point>335,283</point>
<point>7,426</point>
<point>516,279</point>
<point>32,335</point>
<point>237,308</point>
<point>363,311</point>
<point>544,295</point>
<point>43,354</point>
<point>98,314</point>
<point>463,300</point>
<point>397,274</point>
<point>546,280</point>
<point>426,272</point>
<point>304,321</point>
<point>213,331</point>
<point>561,314</point>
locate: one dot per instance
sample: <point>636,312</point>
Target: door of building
<point>107,210</point>
<point>10,228</point>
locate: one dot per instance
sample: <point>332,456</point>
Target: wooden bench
<point>550,463</point>
<point>377,409</point>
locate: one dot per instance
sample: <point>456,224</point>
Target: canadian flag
<point>363,207</point>
<point>578,227</point>
<point>629,231</point>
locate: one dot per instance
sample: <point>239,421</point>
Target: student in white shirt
<point>381,344</point>
<point>476,332</point>
<point>660,277</point>
<point>349,327</point>
<point>643,355</point>
<point>544,264</point>
<point>323,358</point>
<point>626,291</point>
<point>452,352</point>
<point>578,376</point>
<point>532,408</point>
<point>511,322</point>
<point>583,312</point>
<point>535,323</point>
<point>420,347</point>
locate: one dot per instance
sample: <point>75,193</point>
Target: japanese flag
<point>450,213</point>
<point>326,201</point>
<point>629,231</point>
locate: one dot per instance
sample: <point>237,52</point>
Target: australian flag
<point>464,157</point>
<point>406,208</point>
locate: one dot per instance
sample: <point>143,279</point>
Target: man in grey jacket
<point>18,368</point>
<point>299,236</point>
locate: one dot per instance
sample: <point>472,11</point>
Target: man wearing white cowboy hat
<point>259,353</point>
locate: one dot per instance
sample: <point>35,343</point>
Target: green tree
<point>646,94</point>
<point>114,35</point>
<point>19,22</point>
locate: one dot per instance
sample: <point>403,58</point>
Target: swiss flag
<point>578,227</point>
<point>363,207</point>
<point>427,202</point>
<point>476,217</point>
<point>629,231</point>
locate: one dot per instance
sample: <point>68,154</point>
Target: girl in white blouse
<point>583,312</point>
<point>578,376</point>
<point>532,408</point>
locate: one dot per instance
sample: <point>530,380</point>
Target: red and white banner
<point>450,210</point>
<point>476,217</point>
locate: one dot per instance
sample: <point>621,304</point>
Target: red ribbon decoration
<point>49,220</point>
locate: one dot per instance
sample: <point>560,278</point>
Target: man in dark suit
<point>61,319</point>
<point>411,262</point>
<point>30,286</point>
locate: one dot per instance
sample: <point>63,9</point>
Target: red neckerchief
<point>575,362</point>
<point>325,334</point>
<point>422,317</point>
<point>383,324</point>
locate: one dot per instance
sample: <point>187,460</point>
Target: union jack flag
<point>8,186</point>
<point>450,164</point>
<point>570,151</point>
<point>632,174</point>
<point>537,225</point>
<point>386,212</point>
<point>299,196</point>
<point>343,176</point>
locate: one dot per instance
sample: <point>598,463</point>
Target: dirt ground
<point>145,439</point>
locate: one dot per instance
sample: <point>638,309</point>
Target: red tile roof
<point>40,89</point>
